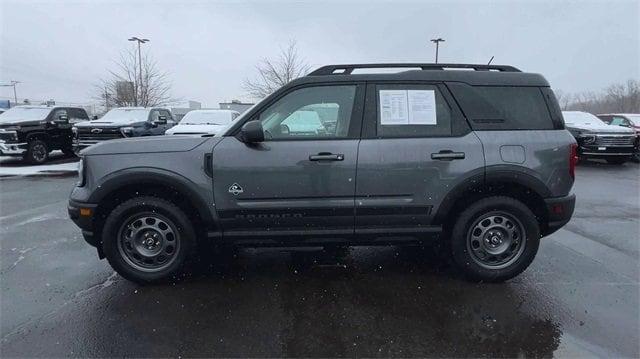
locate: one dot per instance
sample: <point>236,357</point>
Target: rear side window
<point>412,111</point>
<point>504,107</point>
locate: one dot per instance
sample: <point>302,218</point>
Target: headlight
<point>12,133</point>
<point>81,172</point>
<point>586,138</point>
<point>126,131</point>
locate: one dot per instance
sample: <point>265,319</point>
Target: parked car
<point>596,139</point>
<point>630,120</point>
<point>203,122</point>
<point>32,132</point>
<point>478,160</point>
<point>123,122</point>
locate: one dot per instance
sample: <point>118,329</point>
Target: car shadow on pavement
<point>369,301</point>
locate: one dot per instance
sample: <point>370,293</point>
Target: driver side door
<point>300,181</point>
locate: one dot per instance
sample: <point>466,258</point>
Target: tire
<point>128,230</point>
<point>479,232</point>
<point>616,160</point>
<point>37,152</point>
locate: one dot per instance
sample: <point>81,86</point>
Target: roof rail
<point>348,69</point>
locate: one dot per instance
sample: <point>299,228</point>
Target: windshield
<point>24,114</point>
<point>581,118</point>
<point>207,118</point>
<point>125,115</point>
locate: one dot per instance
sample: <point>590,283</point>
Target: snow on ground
<point>57,165</point>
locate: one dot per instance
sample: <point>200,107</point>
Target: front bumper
<point>82,214</point>
<point>606,151</point>
<point>559,212</point>
<point>12,149</point>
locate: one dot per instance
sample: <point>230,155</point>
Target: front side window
<point>58,113</point>
<point>412,111</point>
<point>320,112</point>
<point>619,121</point>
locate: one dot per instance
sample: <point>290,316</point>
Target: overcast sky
<point>59,49</point>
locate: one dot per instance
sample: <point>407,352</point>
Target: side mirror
<point>252,132</point>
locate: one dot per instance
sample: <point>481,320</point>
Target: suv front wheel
<point>495,239</point>
<point>37,152</point>
<point>147,239</point>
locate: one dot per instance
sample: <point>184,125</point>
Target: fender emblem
<point>96,130</point>
<point>235,189</point>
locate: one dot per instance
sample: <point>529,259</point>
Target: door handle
<point>447,155</point>
<point>326,156</point>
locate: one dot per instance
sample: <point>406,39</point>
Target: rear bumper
<point>82,215</point>
<point>559,212</point>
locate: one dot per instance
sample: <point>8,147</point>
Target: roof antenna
<point>489,63</point>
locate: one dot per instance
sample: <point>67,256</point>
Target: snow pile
<point>41,170</point>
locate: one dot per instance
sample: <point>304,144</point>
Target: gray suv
<point>478,160</point>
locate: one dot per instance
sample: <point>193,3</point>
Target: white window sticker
<point>393,107</point>
<point>407,107</point>
<point>422,107</point>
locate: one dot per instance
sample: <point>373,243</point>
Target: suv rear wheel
<point>37,152</point>
<point>147,239</point>
<point>495,239</point>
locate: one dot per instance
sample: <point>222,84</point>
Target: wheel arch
<point>122,185</point>
<point>40,135</point>
<point>498,180</point>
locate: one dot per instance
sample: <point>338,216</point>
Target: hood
<point>152,144</point>
<point>195,129</point>
<point>102,124</point>
<point>600,128</point>
<point>20,123</point>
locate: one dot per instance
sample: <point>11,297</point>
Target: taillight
<point>573,159</point>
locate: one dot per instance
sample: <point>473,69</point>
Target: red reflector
<point>557,209</point>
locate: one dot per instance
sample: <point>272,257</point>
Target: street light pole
<point>13,83</point>
<point>140,41</point>
<point>437,42</point>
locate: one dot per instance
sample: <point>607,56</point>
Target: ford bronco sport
<point>474,156</point>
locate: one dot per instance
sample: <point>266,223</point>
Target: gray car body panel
<point>543,155</point>
<point>171,159</point>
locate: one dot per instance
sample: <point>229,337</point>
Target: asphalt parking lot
<point>580,296</point>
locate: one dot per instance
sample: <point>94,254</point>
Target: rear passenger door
<point>416,146</point>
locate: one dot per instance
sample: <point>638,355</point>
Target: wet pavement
<point>580,297</point>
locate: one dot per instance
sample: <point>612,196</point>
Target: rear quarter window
<point>507,107</point>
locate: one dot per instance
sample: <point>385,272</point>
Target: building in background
<point>236,105</point>
<point>182,108</point>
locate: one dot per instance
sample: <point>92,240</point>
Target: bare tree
<point>563,99</point>
<point>275,73</point>
<point>620,98</point>
<point>123,87</point>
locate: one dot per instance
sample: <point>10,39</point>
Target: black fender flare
<point>39,134</point>
<point>498,174</point>
<point>151,175</point>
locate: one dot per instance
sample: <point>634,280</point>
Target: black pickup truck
<point>32,132</point>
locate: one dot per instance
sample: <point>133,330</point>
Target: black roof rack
<point>348,69</point>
